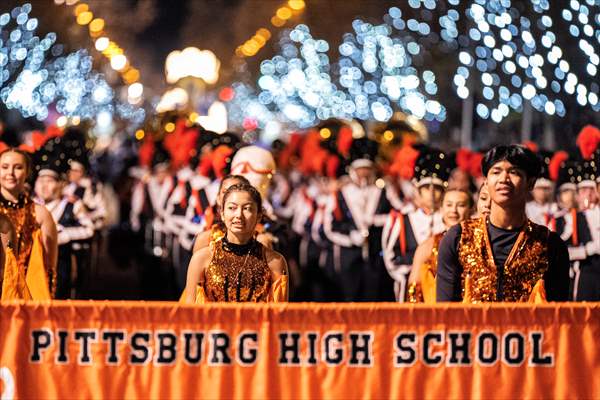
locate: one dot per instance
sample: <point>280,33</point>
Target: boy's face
<point>507,184</point>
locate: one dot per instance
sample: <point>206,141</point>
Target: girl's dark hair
<point>239,178</point>
<point>519,156</point>
<point>469,195</point>
<point>26,157</point>
<point>244,187</point>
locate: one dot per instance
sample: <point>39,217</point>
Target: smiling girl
<point>456,207</point>
<point>35,246</point>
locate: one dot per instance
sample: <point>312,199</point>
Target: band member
<point>72,224</point>
<point>587,282</point>
<point>407,228</point>
<point>504,257</point>
<point>353,222</point>
<point>457,205</point>
<point>541,209</point>
<point>35,230</point>
<point>237,268</point>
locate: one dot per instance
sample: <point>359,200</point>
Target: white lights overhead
<point>192,62</point>
<point>35,75</point>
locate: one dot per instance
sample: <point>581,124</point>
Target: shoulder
<point>455,231</point>
<point>201,257</point>
<point>426,246</point>
<point>203,238</point>
<point>42,213</point>
<point>276,261</point>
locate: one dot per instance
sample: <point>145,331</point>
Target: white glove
<point>577,253</point>
<point>63,237</point>
<point>357,238</point>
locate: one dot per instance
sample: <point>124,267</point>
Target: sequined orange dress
<point>240,273</point>
<point>28,277</point>
<point>423,290</point>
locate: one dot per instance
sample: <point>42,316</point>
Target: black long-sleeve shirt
<point>448,279</point>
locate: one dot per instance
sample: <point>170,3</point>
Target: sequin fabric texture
<point>524,267</point>
<point>24,222</point>
<point>235,275</point>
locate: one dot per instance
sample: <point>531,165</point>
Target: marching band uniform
<point>543,213</point>
<point>73,224</point>
<point>352,222</point>
<point>406,228</point>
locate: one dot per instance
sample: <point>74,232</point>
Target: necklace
<point>20,203</point>
<point>238,249</point>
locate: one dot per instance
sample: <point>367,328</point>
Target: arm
<point>195,273</point>
<point>277,264</point>
<point>279,274</point>
<point>448,282</point>
<point>49,243</point>
<point>8,237</point>
<point>421,254</point>
<point>202,241</point>
<point>556,278</point>
<point>84,228</point>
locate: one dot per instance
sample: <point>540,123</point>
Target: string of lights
<point>262,35</point>
<point>108,48</point>
<point>504,56</point>
<point>35,75</point>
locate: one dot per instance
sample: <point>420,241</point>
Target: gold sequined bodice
<point>524,267</point>
<point>237,273</point>
<point>24,222</point>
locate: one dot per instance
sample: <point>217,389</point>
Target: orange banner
<point>130,350</point>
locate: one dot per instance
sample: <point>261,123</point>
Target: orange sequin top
<point>28,235</point>
<point>423,290</point>
<point>523,270</point>
<point>22,216</point>
<point>237,273</point>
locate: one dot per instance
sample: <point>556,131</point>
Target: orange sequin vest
<point>523,269</point>
<point>237,277</point>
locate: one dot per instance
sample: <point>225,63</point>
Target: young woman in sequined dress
<point>237,268</point>
<point>457,206</point>
<point>35,244</point>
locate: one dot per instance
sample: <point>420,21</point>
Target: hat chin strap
<point>247,167</point>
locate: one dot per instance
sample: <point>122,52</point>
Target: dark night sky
<point>164,32</point>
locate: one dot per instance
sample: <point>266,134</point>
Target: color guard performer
<point>504,257</point>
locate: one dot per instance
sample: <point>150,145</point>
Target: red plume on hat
<point>3,146</point>
<point>588,140</point>
<point>220,157</point>
<point>557,159</point>
<point>291,149</point>
<point>531,146</point>
<point>319,161</point>
<point>38,139</point>
<point>205,165</point>
<point>404,162</point>
<point>146,152</point>
<point>344,141</point>
<point>309,148</point>
<point>463,159</point>
<point>333,165</point>
<point>475,164</point>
